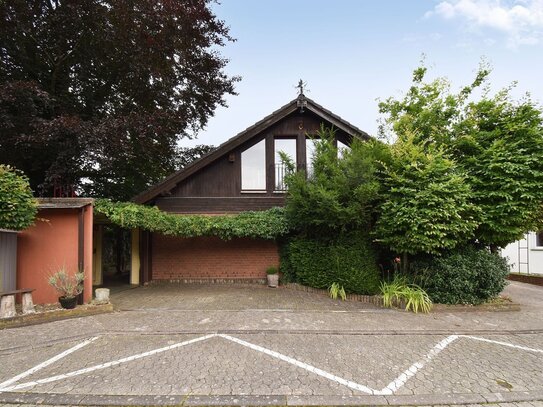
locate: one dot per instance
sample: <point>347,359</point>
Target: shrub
<point>467,276</point>
<point>348,261</point>
<point>17,206</point>
<point>414,297</point>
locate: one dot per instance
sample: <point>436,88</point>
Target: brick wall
<point>211,258</point>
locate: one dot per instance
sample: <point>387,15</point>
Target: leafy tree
<point>17,206</point>
<point>340,193</point>
<point>495,140</point>
<point>96,94</point>
<point>426,205</point>
<point>187,155</point>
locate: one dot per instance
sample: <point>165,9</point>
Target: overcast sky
<point>352,52</point>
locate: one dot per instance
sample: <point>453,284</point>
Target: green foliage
<point>65,284</point>
<point>467,276</point>
<point>501,150</point>
<point>336,290</point>
<point>426,204</point>
<point>348,260</point>
<point>340,193</point>
<point>17,206</point>
<point>272,270</point>
<point>496,141</point>
<point>398,291</point>
<point>268,224</point>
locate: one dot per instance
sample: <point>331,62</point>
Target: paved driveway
<point>252,345</point>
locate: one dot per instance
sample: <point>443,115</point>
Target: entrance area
<point>115,261</point>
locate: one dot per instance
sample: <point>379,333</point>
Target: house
<point>526,255</point>
<point>245,173</point>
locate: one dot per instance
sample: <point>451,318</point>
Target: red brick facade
<point>176,258</point>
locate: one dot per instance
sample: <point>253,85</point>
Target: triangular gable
<point>171,181</point>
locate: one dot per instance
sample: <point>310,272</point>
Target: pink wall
<point>49,244</point>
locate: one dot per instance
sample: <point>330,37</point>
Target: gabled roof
<point>171,181</point>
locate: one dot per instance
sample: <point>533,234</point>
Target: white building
<point>526,255</point>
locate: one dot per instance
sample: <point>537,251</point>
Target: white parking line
<point>391,388</point>
<point>105,365</point>
<point>46,363</point>
<point>302,365</point>
<point>415,367</point>
<point>510,345</point>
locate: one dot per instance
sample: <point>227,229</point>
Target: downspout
<point>81,249</point>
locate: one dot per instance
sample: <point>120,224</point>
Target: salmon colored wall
<point>44,247</point>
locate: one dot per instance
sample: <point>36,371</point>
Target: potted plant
<point>273,276</point>
<point>67,286</point>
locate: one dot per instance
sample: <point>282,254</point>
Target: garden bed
<point>53,312</point>
<point>500,304</point>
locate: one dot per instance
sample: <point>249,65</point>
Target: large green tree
<point>96,94</point>
<point>495,140</point>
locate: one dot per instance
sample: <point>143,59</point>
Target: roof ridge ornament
<point>302,101</point>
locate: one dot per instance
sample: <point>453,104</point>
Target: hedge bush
<point>349,261</point>
<point>18,207</point>
<point>466,276</point>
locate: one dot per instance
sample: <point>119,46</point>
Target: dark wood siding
<point>216,188</point>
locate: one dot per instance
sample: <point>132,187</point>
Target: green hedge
<point>465,276</point>
<point>349,261</point>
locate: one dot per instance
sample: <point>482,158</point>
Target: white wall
<point>524,256</point>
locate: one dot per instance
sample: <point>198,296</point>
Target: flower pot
<point>273,280</point>
<point>68,302</point>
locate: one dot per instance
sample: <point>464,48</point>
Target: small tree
<point>17,206</point>
<point>340,194</point>
<point>426,206</point>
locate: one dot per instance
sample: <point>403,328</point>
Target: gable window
<point>287,146</point>
<point>253,168</point>
<point>310,150</point>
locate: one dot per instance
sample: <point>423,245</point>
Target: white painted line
<point>302,365</point>
<point>46,363</point>
<point>510,345</point>
<point>105,365</point>
<point>415,367</point>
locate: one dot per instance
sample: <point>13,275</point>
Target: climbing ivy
<point>269,224</point>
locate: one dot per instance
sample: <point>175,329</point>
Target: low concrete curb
<point>233,400</point>
<point>55,315</point>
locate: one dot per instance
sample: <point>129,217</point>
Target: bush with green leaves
<point>496,141</point>
<point>269,224</point>
<point>340,193</point>
<point>18,207</point>
<point>426,206</point>
<point>348,261</point>
<point>469,275</point>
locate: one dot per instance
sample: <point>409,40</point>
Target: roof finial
<point>300,86</point>
<point>302,102</point>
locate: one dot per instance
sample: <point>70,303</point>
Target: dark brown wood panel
<point>222,177</point>
<point>219,204</point>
